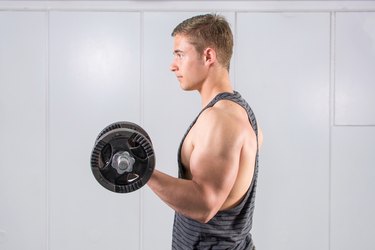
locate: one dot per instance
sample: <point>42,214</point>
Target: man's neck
<point>217,83</point>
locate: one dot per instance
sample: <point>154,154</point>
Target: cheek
<point>191,70</point>
<point>197,72</point>
<point>190,66</point>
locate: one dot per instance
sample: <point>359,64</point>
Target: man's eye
<point>179,55</point>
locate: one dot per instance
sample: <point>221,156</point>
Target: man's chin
<point>188,86</point>
<point>187,89</point>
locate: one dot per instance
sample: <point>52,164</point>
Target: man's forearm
<point>184,196</point>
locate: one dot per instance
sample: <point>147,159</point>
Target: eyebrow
<point>177,51</point>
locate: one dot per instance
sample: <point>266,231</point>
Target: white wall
<point>68,69</point>
<point>283,69</point>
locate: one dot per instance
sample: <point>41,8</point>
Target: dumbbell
<point>122,159</point>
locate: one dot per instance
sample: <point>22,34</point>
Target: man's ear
<point>209,56</point>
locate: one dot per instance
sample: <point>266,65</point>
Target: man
<point>218,157</point>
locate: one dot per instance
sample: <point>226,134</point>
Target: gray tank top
<point>229,229</point>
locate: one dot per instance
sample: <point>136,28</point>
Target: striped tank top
<point>229,229</point>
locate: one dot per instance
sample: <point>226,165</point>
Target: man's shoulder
<point>224,115</point>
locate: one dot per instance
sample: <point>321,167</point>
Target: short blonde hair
<point>210,30</point>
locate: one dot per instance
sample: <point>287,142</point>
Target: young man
<point>218,157</point>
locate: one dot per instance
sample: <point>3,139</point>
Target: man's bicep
<point>214,168</point>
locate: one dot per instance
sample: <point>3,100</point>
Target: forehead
<point>181,43</point>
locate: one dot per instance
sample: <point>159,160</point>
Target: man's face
<point>188,64</point>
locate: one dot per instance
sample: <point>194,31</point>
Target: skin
<point>219,151</point>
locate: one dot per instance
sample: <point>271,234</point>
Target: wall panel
<point>22,130</point>
<point>353,174</point>
<point>354,68</point>
<point>94,81</point>
<point>282,69</point>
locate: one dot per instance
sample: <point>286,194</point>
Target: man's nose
<point>173,67</point>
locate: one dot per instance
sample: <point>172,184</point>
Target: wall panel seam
<point>331,117</point>
<point>141,100</point>
<point>235,45</point>
<point>47,128</point>
<point>354,125</point>
<point>213,10</point>
<point>187,5</point>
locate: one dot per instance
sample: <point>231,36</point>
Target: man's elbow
<point>209,205</point>
<point>204,217</point>
<point>206,213</point>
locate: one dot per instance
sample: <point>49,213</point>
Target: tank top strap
<point>237,98</point>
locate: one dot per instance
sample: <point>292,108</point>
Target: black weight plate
<point>123,124</point>
<point>123,136</point>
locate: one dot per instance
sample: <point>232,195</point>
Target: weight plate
<point>133,144</point>
<point>123,124</point>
